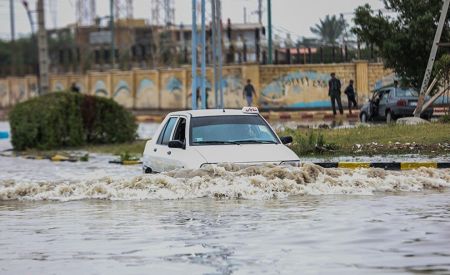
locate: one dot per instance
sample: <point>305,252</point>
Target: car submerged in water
<point>390,103</point>
<point>193,139</point>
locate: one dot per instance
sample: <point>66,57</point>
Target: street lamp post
<point>34,38</point>
<point>113,42</point>
<point>203,57</point>
<point>13,37</point>
<point>269,23</point>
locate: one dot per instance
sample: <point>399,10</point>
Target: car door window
<point>375,96</point>
<point>165,135</point>
<point>385,96</point>
<point>180,132</point>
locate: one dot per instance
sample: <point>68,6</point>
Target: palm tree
<point>330,29</point>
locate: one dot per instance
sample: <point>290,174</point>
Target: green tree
<point>405,39</point>
<point>5,55</point>
<point>330,29</point>
<point>371,27</point>
<point>26,52</point>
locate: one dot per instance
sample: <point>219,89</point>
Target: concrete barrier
<point>385,165</point>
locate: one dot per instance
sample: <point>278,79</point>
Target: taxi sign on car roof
<point>250,110</point>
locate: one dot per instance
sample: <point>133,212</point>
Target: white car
<point>192,139</point>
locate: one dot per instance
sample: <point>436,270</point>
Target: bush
<point>66,119</point>
<point>444,119</point>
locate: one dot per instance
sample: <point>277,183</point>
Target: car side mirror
<point>176,144</point>
<point>286,140</point>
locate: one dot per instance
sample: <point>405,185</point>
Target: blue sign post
<point>194,55</point>
<point>200,81</point>
<point>203,77</point>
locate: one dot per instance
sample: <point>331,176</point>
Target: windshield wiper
<point>254,141</point>
<point>217,142</point>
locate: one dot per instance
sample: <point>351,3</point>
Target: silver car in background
<point>389,103</point>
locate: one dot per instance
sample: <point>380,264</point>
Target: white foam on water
<point>230,182</point>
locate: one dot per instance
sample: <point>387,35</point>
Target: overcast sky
<point>293,16</point>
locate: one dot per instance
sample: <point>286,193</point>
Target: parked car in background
<point>390,103</point>
<point>193,139</point>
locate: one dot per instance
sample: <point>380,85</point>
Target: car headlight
<point>294,163</point>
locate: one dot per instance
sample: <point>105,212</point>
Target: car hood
<point>248,153</point>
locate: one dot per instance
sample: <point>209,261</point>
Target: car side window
<point>391,94</point>
<point>385,95</point>
<point>164,137</point>
<point>375,95</point>
<point>180,132</point>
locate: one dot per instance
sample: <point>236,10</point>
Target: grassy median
<point>426,139</point>
<point>133,148</point>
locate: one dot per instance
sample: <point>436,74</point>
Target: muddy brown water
<point>97,218</point>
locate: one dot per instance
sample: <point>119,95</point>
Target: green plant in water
<point>85,157</point>
<point>128,157</point>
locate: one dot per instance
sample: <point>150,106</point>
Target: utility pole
<point>13,37</point>
<point>112,29</point>
<point>260,12</point>
<point>245,15</point>
<point>219,53</point>
<point>43,49</point>
<point>434,48</point>
<point>269,23</point>
<point>33,37</point>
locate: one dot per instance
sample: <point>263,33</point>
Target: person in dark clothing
<point>334,92</point>
<point>249,92</point>
<point>351,97</point>
<point>74,88</point>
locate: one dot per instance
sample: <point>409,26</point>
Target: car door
<point>179,157</point>
<point>383,103</point>
<point>372,104</point>
<point>159,154</point>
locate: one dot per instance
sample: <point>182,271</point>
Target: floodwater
<point>98,218</point>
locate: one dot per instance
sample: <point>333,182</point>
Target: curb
<point>385,165</point>
<point>54,158</point>
<point>126,162</point>
<point>309,115</point>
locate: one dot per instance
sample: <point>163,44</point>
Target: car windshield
<point>222,130</point>
<point>406,92</point>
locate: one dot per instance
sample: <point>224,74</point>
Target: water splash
<point>231,182</point>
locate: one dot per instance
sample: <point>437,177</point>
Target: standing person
<point>351,96</point>
<point>249,92</point>
<point>334,92</point>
